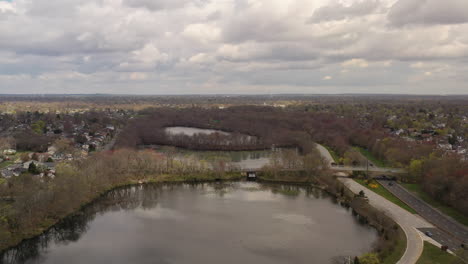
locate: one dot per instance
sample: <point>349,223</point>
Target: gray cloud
<point>408,12</point>
<point>248,46</point>
<point>163,4</point>
<point>338,11</point>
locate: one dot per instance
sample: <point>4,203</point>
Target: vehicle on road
<point>427,233</point>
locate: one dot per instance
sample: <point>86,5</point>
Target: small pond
<point>190,131</point>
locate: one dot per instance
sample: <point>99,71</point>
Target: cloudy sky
<point>234,46</point>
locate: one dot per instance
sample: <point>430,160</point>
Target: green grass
<point>6,163</point>
<point>450,211</point>
<point>434,255</point>
<point>366,153</point>
<point>387,195</point>
<point>334,155</point>
<point>397,252</point>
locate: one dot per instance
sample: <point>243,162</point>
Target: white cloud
<point>187,46</point>
<point>202,32</point>
<point>138,76</point>
<point>360,63</point>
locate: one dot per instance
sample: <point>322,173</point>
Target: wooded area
<point>443,175</point>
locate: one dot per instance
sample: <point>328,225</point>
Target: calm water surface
<point>205,223</point>
<point>190,131</point>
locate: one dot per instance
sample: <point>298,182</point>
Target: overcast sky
<point>234,46</point>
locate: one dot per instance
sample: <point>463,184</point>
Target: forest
<point>443,175</point>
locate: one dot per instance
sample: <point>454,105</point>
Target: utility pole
<point>367,168</point>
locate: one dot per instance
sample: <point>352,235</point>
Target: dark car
<point>427,233</point>
<point>390,183</point>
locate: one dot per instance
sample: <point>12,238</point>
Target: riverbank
<point>360,209</point>
<point>43,225</point>
<point>391,245</point>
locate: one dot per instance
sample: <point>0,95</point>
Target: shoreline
<point>130,183</point>
<point>176,179</point>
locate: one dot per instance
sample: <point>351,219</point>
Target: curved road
<point>408,222</point>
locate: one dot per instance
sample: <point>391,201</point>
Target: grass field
<point>366,153</point>
<point>434,255</point>
<point>5,164</point>
<point>386,194</point>
<point>455,214</point>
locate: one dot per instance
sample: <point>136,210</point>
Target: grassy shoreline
<point>46,224</point>
<point>380,190</point>
<point>283,178</point>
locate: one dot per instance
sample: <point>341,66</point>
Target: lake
<point>239,222</point>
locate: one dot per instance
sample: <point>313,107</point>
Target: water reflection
<point>229,222</point>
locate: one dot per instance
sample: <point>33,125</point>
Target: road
<point>371,169</point>
<point>408,222</point>
<point>325,154</point>
<point>445,223</point>
<point>442,238</point>
<point>111,143</point>
<point>329,160</point>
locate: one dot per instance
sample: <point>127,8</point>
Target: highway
<point>413,225</point>
<point>434,216</point>
<point>371,169</point>
<point>407,221</point>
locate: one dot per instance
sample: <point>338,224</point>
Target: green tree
<point>38,127</point>
<point>415,169</point>
<point>33,168</point>
<point>356,260</point>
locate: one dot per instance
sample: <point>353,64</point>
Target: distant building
<point>9,152</point>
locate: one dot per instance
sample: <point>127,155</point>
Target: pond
<point>252,160</point>
<point>190,131</point>
<point>240,222</point>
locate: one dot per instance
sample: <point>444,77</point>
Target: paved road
<point>325,154</point>
<point>447,224</point>
<point>442,238</point>
<point>329,160</point>
<point>111,143</point>
<point>371,169</point>
<point>413,225</point>
<point>408,222</point>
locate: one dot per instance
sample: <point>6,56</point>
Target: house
<point>7,173</point>
<point>445,146</point>
<point>12,170</point>
<point>51,150</point>
<point>28,163</point>
<point>9,152</point>
<point>251,175</point>
<point>48,166</point>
